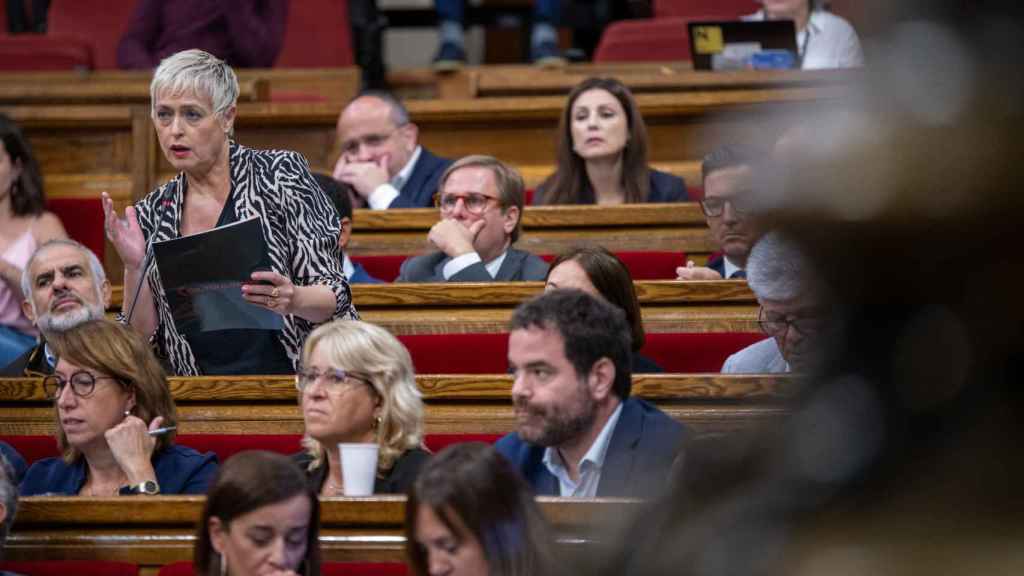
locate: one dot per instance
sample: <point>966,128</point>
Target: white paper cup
<point>358,468</point>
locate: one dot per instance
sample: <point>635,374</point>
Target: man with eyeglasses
<point>381,162</point>
<point>792,310</point>
<point>481,204</point>
<point>728,185</point>
<point>64,286</point>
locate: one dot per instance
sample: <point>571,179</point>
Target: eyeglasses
<point>714,207</point>
<point>370,141</point>
<point>83,384</point>
<point>335,380</point>
<point>775,325</point>
<point>472,202</point>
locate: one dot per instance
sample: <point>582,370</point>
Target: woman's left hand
<point>132,447</point>
<point>271,291</point>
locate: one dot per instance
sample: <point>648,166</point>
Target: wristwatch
<point>147,488</point>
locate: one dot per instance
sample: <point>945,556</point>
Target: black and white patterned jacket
<point>299,222</point>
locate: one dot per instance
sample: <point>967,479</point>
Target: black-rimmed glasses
<point>774,324</point>
<point>714,207</point>
<point>335,380</point>
<point>83,384</point>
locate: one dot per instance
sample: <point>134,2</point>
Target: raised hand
<point>124,233</point>
<point>692,272</point>
<point>453,238</point>
<point>132,447</point>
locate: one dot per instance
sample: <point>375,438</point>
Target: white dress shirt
<point>460,263</point>
<point>590,464</point>
<point>828,41</point>
<point>385,194</point>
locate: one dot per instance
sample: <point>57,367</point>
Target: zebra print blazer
<point>299,222</point>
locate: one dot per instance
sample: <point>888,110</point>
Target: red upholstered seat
<point>703,352</point>
<point>644,40</point>
<point>647,265</point>
<point>28,52</point>
<point>83,220</point>
<point>433,353</point>
<point>99,23</point>
<point>176,569</point>
<point>34,447</point>
<point>384,267</point>
<point>317,35</point>
<point>227,445</point>
<point>437,442</point>
<point>71,567</point>
<point>327,569</point>
<point>705,9</point>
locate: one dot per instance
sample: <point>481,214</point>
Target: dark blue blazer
<point>717,263</point>
<point>361,276</point>
<point>179,470</point>
<point>418,192</point>
<point>664,187</point>
<point>15,460</point>
<point>640,455</point>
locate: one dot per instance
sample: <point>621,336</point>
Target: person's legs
<point>13,343</point>
<point>451,53</point>
<point>544,49</point>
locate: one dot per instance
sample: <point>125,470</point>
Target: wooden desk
<point>158,530</point>
<point>455,404</point>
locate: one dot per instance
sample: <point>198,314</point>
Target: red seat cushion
<point>437,442</point>
<point>317,35</point>
<point>99,23</point>
<point>30,52</point>
<point>68,567</point>
<point>644,40</point>
<point>176,569</point>
<point>432,353</point>
<point>647,265</point>
<point>32,447</point>
<point>705,9</point>
<point>385,267</point>
<point>696,352</point>
<point>83,220</point>
<point>227,445</point>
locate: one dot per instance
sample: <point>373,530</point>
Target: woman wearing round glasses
<point>115,421</point>
<point>356,384</point>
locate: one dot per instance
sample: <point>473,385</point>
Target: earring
<point>376,422</point>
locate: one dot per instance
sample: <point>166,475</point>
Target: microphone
<point>164,203</point>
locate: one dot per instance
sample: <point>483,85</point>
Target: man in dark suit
<point>579,432</point>
<point>381,161</point>
<point>64,285</point>
<point>481,203</point>
<point>728,186</point>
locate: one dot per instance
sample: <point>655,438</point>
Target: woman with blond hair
<point>356,384</point>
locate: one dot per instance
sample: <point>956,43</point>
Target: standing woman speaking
<point>219,182</point>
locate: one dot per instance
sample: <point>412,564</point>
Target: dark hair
<point>611,278</point>
<point>118,350</point>
<point>27,196</point>
<point>247,481</point>
<point>566,185</point>
<point>590,327</point>
<point>472,484</point>
<point>337,193</point>
<point>731,155</point>
<point>507,180</point>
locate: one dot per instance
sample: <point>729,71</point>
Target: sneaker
<point>547,55</point>
<point>450,57</point>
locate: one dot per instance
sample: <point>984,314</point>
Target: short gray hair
<point>9,497</point>
<point>99,275</point>
<point>778,269</point>
<point>199,72</point>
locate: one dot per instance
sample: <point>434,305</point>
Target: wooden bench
<point>159,530</point>
<point>455,404</point>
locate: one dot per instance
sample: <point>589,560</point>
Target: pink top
<point>16,254</point>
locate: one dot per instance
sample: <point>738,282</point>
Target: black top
<point>241,351</point>
<point>664,187</point>
<point>397,480</point>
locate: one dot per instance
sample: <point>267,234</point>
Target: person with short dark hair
<point>598,272</point>
<point>602,152</point>
<point>579,432</point>
<point>469,513</point>
<point>354,271</point>
<point>260,517</point>
<point>481,205</point>
<point>381,160</point>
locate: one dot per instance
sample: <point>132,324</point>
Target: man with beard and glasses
<point>579,433</point>
<point>64,285</point>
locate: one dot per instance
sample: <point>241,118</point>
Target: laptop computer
<point>739,44</point>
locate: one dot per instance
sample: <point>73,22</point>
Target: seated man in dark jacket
<point>579,432</point>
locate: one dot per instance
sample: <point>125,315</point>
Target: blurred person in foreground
<point>220,182</point>
<point>579,432</point>
<point>115,421</point>
<point>15,460</point>
<point>356,384</point>
<point>602,152</point>
<point>64,285</point>
<point>8,503</point>
<point>470,514</point>
<point>823,39</point>
<point>598,272</point>
<point>354,271</point>
<point>793,309</point>
<point>481,203</point>
<point>260,518</point>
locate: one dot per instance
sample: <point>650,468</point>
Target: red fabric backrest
<point>432,353</point>
<point>696,193</point>
<point>644,40</point>
<point>647,265</point>
<point>83,220</point>
<point>33,447</point>
<point>30,52</point>
<point>227,445</point>
<point>697,352</point>
<point>101,23</point>
<point>437,442</point>
<point>317,35</point>
<point>384,267</point>
<point>176,569</point>
<point>69,567</point>
<point>705,9</point>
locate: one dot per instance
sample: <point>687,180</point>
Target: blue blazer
<point>361,276</point>
<point>15,460</point>
<point>642,450</point>
<point>418,192</point>
<point>179,470</point>
<point>517,266</point>
<point>664,187</point>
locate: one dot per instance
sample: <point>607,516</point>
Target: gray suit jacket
<point>518,265</point>
<point>761,357</point>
